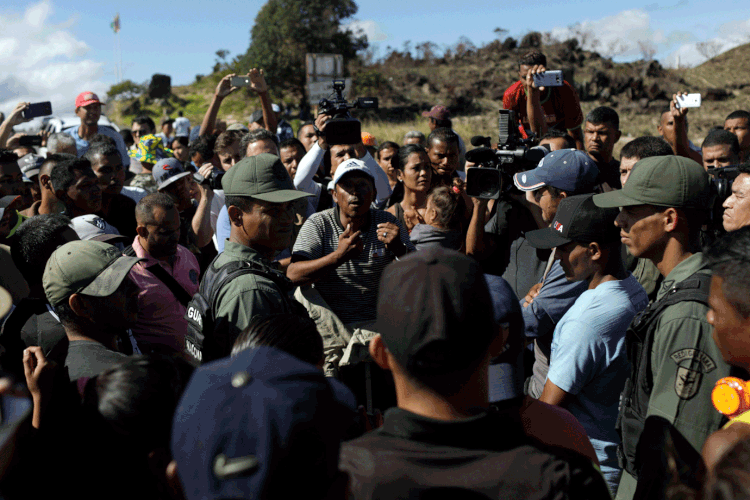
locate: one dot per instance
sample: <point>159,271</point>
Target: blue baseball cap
<point>262,424</point>
<point>167,171</point>
<point>568,170</point>
<point>506,370</point>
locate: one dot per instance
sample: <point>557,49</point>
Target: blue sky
<point>54,49</point>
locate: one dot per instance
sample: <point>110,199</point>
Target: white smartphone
<point>552,78</point>
<point>688,101</point>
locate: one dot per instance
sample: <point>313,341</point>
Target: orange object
<point>369,139</point>
<point>731,396</point>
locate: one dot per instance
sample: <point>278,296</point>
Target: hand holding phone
<point>30,140</point>
<point>553,78</point>
<point>688,101</point>
<point>37,109</point>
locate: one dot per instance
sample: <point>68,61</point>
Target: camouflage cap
<point>263,177</point>
<point>89,267</point>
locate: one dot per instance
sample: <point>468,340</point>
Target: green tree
<point>285,30</point>
<point>127,89</point>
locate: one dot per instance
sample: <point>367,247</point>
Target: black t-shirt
<point>122,215</point>
<point>412,456</point>
<point>513,258</point>
<point>609,173</point>
<point>87,358</point>
<point>31,324</point>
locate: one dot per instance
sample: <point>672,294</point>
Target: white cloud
<point>40,60</point>
<point>730,35</point>
<point>622,35</point>
<point>367,27</point>
<point>618,35</point>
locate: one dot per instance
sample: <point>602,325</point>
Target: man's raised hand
<point>258,81</point>
<point>224,88</point>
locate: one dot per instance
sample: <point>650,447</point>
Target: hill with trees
<point>469,79</point>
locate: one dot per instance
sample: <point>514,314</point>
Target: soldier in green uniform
<point>260,200</point>
<point>662,208</point>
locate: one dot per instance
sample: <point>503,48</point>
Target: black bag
<point>637,392</point>
<point>203,341</point>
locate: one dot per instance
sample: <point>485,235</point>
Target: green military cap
<point>663,181</point>
<point>263,177</point>
<point>89,267</point>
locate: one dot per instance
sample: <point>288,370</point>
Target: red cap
<point>86,98</point>
<point>438,112</point>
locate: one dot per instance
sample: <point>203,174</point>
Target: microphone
<point>478,141</point>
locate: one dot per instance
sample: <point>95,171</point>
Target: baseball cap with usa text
<point>577,219</point>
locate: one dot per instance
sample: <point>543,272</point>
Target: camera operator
<point>540,109</point>
<point>339,153</point>
<point>737,206</point>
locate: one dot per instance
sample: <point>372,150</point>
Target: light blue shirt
<point>82,145</point>
<point>589,361</point>
<point>223,228</point>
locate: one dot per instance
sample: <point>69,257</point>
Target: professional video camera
<point>342,128</point>
<point>213,181</point>
<point>496,167</point>
<point>722,179</point>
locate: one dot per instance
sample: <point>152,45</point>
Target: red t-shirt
<point>562,110</point>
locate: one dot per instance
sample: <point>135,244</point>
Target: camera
<point>496,167</point>
<point>213,181</point>
<point>721,179</point>
<point>342,128</point>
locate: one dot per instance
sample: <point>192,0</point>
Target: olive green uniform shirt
<point>248,295</point>
<point>685,366</point>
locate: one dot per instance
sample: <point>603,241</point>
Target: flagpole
<point>119,49</point>
<point>117,71</point>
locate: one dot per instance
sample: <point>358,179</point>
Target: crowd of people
<point>232,311</point>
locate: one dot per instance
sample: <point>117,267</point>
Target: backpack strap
<point>129,251</point>
<point>177,290</point>
<point>232,270</point>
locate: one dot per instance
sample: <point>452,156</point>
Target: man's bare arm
<point>534,109</point>
<point>223,89</point>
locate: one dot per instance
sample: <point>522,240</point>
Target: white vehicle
<point>55,124</point>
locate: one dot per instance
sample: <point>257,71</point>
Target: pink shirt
<point>160,315</point>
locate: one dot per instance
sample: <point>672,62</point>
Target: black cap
<point>435,313</point>
<point>577,219</point>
